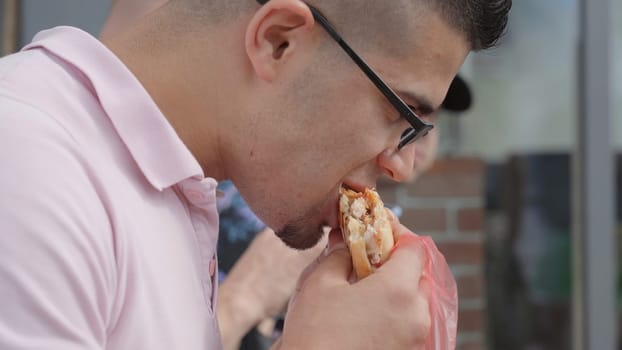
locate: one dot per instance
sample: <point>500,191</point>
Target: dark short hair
<point>483,21</point>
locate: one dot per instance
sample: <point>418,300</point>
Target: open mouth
<point>394,207</point>
<point>353,187</point>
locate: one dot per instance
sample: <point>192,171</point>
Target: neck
<point>189,77</point>
<point>123,14</point>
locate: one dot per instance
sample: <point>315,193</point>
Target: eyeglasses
<point>419,128</point>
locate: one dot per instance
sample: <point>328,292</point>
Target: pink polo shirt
<point>108,227</point>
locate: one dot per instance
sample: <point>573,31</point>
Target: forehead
<point>430,57</point>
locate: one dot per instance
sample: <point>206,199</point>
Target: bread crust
<point>366,229</point>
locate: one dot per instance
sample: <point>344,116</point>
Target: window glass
<point>523,126</point>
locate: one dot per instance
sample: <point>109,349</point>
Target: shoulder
<point>56,244</point>
<point>47,189</point>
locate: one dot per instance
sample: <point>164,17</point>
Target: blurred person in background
<point>115,247</point>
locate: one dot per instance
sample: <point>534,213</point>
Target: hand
<point>386,310</point>
<point>260,284</point>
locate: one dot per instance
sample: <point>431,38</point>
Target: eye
<point>428,115</point>
<point>417,112</point>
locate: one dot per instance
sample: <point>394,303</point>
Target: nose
<point>398,165</point>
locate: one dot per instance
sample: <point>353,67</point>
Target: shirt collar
<point>151,140</point>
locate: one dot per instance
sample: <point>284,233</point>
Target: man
<point>109,220</point>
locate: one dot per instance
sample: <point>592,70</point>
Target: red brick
<point>471,219</point>
<point>424,220</point>
<point>451,178</point>
<point>470,286</point>
<point>471,320</point>
<point>462,252</point>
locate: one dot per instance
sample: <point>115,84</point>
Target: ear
<point>274,33</point>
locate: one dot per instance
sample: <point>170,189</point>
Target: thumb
<point>408,258</point>
<point>335,264</point>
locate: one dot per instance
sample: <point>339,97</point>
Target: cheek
<point>351,134</point>
<point>345,129</point>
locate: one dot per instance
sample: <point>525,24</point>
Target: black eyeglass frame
<point>419,127</point>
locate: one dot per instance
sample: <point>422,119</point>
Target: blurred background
<point>525,198</point>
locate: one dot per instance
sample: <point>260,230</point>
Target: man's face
<point>314,134</point>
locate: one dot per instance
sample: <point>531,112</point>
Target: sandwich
<point>366,229</point>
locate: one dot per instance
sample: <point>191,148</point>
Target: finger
<point>397,227</point>
<point>335,241</point>
<point>334,237</point>
<point>417,316</point>
<point>336,263</point>
<point>302,279</point>
<point>408,259</point>
<point>424,313</point>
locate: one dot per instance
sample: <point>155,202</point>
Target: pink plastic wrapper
<point>439,283</point>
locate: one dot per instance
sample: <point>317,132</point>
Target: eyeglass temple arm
<point>420,127</point>
<point>417,123</point>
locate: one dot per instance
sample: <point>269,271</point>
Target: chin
<point>307,230</point>
<point>300,236</point>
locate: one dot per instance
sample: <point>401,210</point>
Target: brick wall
<point>447,203</point>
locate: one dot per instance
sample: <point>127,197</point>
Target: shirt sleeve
<point>56,266</point>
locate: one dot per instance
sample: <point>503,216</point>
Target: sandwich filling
<point>366,229</point>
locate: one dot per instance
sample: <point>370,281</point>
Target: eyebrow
<point>424,106</point>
